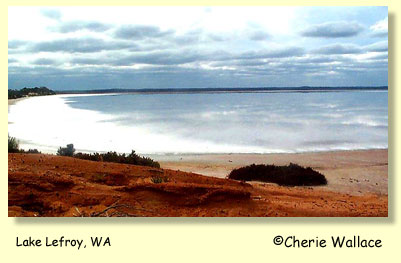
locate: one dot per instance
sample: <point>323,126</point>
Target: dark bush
<point>159,179</point>
<point>89,156</point>
<point>290,175</point>
<point>33,151</point>
<point>30,151</point>
<point>66,151</point>
<point>13,145</point>
<point>114,157</point>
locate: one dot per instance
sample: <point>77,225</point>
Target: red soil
<point>48,185</point>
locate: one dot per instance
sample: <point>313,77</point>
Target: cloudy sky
<point>195,47</point>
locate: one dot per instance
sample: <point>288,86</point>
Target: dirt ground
<point>54,186</point>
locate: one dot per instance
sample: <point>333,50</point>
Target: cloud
<point>141,32</point>
<point>45,62</point>
<point>89,61</point>
<point>380,46</point>
<point>240,63</point>
<point>74,26</point>
<point>259,35</point>
<point>80,45</point>
<point>318,59</point>
<point>104,49</point>
<point>156,76</point>
<point>14,44</point>
<point>379,56</point>
<point>163,58</point>
<point>218,37</point>
<point>380,28</point>
<point>185,56</point>
<point>12,60</point>
<point>249,34</point>
<point>364,66</point>
<point>157,58</point>
<point>51,13</point>
<point>191,37</point>
<point>274,53</point>
<point>333,30</point>
<point>101,77</point>
<point>335,49</point>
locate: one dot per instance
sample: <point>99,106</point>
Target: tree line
<point>28,92</point>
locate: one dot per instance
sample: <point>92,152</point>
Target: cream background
<point>200,239</point>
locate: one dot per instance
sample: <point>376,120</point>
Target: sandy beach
<point>351,172</point>
<point>13,101</point>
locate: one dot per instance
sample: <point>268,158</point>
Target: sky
<point>83,48</point>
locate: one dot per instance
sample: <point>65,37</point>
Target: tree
<point>13,145</point>
<point>66,151</point>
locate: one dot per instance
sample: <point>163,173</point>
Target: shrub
<point>67,151</point>
<point>140,160</point>
<point>114,157</point>
<point>89,156</point>
<point>30,151</point>
<point>33,151</point>
<point>290,175</point>
<point>159,179</point>
<point>13,145</point>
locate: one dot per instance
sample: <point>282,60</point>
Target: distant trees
<point>26,92</point>
<point>66,151</point>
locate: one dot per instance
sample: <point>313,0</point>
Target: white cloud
<point>380,28</point>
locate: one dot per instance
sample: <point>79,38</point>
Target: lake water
<point>271,122</point>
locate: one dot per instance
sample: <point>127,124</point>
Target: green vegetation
<point>66,151</point>
<point>28,92</point>
<point>114,157</point>
<point>32,151</point>
<point>159,179</point>
<point>13,145</point>
<point>290,175</point>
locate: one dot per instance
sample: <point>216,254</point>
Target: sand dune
<point>48,185</point>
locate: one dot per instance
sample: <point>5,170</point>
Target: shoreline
<point>14,101</point>
<point>172,155</point>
